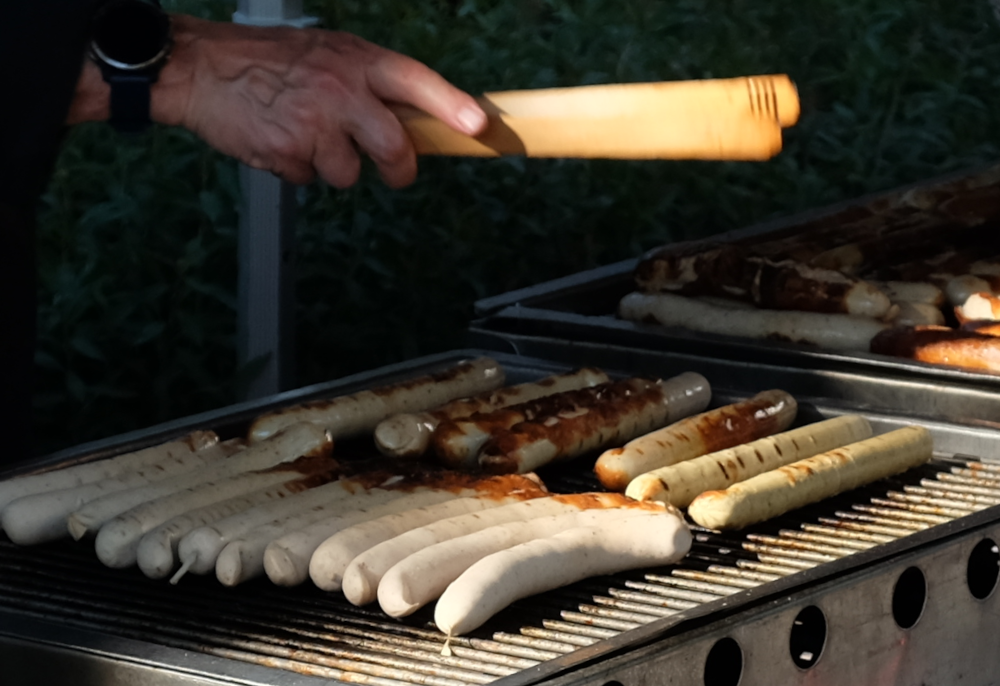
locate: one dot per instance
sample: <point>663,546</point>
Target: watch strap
<point>129,101</point>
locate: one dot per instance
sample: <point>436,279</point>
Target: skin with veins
<point>297,102</point>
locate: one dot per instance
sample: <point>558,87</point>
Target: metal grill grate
<point>319,634</point>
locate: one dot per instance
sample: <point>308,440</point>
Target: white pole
<point>266,288</point>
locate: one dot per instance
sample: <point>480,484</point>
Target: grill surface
<point>320,635</point>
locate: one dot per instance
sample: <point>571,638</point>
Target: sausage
<point>328,564</point>
<point>680,483</point>
<point>762,415</point>
<point>117,541</point>
<point>90,472</point>
<point>199,550</point>
<point>728,271</point>
<point>979,306</point>
<point>457,442</point>
<point>622,410</point>
<point>916,314</point>
<point>838,331</point>
<point>157,552</point>
<point>290,556</point>
<point>361,412</point>
<point>409,435</point>
<point>988,327</point>
<point>297,537</point>
<point>422,577</point>
<point>789,285</point>
<point>812,479</point>
<point>912,292</point>
<point>493,583</point>
<point>400,597</point>
<point>42,516</point>
<point>294,442</point>
<point>940,345</point>
<point>960,288</point>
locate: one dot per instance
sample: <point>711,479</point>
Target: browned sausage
<point>988,327</point>
<point>940,345</point>
<point>624,410</point>
<point>458,443</point>
<point>786,285</point>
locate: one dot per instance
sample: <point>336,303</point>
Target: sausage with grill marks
<point>458,443</point>
<point>409,435</point>
<point>812,479</point>
<point>616,412</point>
<point>680,483</point>
<point>361,412</point>
<point>762,415</point>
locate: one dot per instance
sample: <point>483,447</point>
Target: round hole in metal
<point>908,597</point>
<point>613,683</point>
<point>984,568</point>
<point>808,636</point>
<point>724,664</point>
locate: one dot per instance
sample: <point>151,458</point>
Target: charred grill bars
<point>726,614</point>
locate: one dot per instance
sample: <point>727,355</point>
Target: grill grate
<point>321,635</point>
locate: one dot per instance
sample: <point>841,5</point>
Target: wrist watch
<point>130,41</point>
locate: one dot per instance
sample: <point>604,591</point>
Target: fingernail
<point>471,119</point>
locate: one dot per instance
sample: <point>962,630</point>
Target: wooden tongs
<point>719,119</point>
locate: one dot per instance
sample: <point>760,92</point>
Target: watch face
<point>130,34</point>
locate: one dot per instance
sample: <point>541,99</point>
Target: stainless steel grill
<point>60,596</point>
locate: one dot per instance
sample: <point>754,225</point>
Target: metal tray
<point>63,618</point>
<point>582,306</point>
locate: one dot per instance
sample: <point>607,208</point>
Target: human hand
<point>296,102</point>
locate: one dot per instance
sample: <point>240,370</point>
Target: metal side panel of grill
<point>64,618</point>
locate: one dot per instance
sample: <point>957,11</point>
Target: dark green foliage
<point>136,270</point>
<point>137,239</point>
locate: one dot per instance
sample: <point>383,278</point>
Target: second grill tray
<point>582,306</point>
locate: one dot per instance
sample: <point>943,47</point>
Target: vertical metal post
<point>265,292</point>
